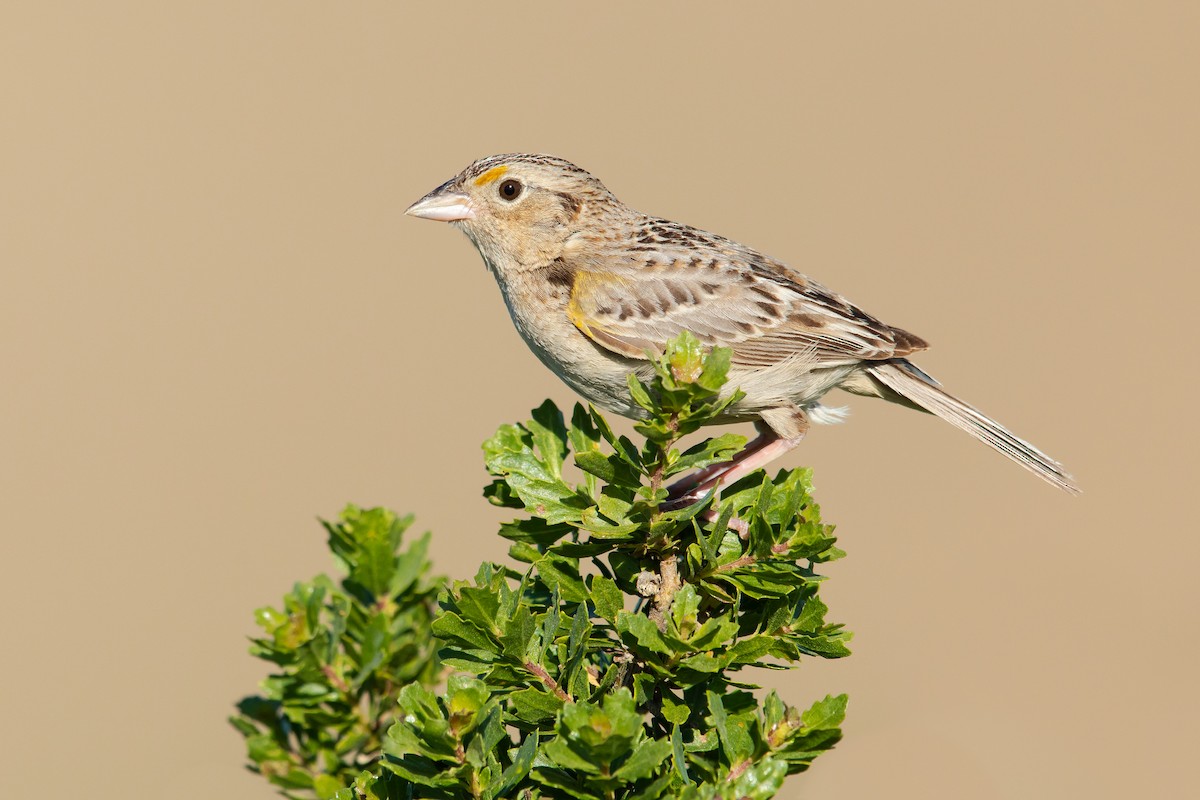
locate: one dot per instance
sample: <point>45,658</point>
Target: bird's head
<point>518,209</point>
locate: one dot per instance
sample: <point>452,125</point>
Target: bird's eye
<point>510,190</point>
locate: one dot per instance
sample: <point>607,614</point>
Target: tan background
<point>217,324</point>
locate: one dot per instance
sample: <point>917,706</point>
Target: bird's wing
<point>726,295</point>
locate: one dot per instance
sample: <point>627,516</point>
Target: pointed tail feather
<point>915,387</point>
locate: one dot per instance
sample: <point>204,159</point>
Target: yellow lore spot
<point>491,175</point>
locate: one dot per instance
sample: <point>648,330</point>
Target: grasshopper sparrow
<point>592,285</point>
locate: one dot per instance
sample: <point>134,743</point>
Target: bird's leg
<point>748,463</point>
<point>684,487</point>
<point>767,447</point>
<point>740,469</point>
<point>779,430</point>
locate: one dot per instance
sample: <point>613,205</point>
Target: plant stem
<point>737,770</point>
<point>551,684</point>
<point>668,566</point>
<point>660,464</point>
<point>668,585</point>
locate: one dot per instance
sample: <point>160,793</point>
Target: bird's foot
<point>709,515</point>
<point>735,523</point>
<point>696,486</point>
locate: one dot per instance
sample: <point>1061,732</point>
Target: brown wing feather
<point>680,278</point>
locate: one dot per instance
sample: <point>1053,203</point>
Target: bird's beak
<point>443,205</point>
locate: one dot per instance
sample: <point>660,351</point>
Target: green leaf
<point>761,781</point>
<point>812,617</point>
<point>716,368</point>
<point>684,609</point>
<point>752,650</point>
<point>542,493</point>
<point>563,781</point>
<point>685,357</point>
<point>521,763</point>
<point>591,737</point>
<point>639,393</point>
<point>657,790</point>
<point>535,531</point>
<point>826,714</point>
<point>480,607</point>
<point>678,759</point>
<point>534,478</point>
<point>369,786</point>
<point>423,729</point>
<point>365,542</point>
<point>710,451</point>
<point>832,645</point>
<point>535,705</point>
<point>606,597</point>
<point>549,436</point>
<point>466,698</point>
<point>643,631</point>
<point>563,575</point>
<point>411,565</point>
<point>499,493</point>
<point>732,730</point>
<point>673,711</point>
<point>765,580</point>
<point>562,754</point>
<point>644,683</point>
<point>624,448</point>
<point>646,758</point>
<point>452,628</point>
<point>376,636</point>
<point>518,634</point>
<point>702,662</point>
<point>715,632</point>
<point>578,640</point>
<point>596,463</point>
<point>584,439</point>
<point>720,528</point>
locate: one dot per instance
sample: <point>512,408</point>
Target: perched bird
<point>592,285</point>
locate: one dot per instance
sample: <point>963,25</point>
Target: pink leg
<point>685,485</point>
<point>741,469</point>
<point>780,429</point>
<point>765,449</point>
<point>752,461</point>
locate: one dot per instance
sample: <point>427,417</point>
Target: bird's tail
<point>914,387</point>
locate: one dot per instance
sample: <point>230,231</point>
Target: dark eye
<point>510,190</point>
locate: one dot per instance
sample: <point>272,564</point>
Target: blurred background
<point>217,325</point>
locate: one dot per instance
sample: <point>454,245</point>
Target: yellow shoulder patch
<point>491,175</point>
<point>574,310</point>
<point>583,300</point>
<point>583,291</point>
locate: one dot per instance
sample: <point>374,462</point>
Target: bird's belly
<point>598,375</point>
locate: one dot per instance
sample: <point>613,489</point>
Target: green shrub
<point>610,665</point>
